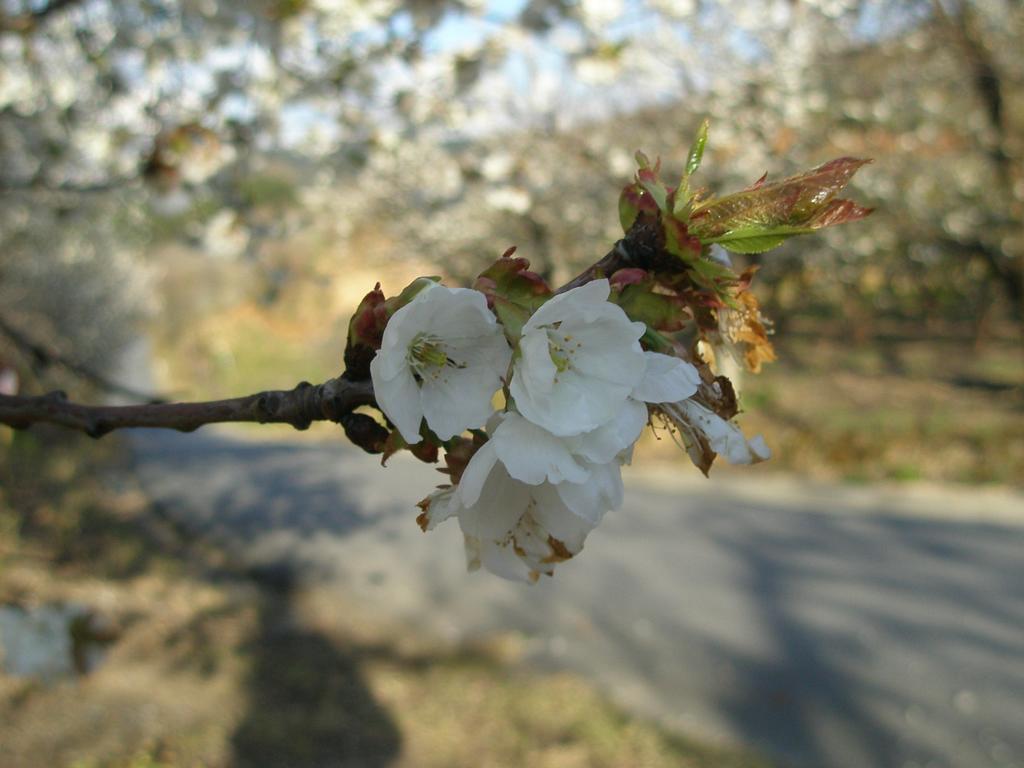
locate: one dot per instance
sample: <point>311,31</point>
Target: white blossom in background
<point>580,358</point>
<point>507,198</point>
<point>442,358</point>
<point>226,236</point>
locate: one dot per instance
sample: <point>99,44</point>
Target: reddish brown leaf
<point>628,276</point>
<point>838,212</point>
<point>795,202</point>
<point>365,330</point>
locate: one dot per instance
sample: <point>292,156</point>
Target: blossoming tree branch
<point>536,396</point>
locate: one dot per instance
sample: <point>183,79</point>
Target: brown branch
<point>615,259</point>
<point>642,247</point>
<point>334,400</point>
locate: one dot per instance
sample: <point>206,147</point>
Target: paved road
<point>831,627</point>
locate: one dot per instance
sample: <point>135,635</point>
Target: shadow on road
<point>243,490</point>
<point>308,703</point>
<point>856,608</point>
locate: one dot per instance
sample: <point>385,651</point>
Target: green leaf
<point>648,179</point>
<point>693,160</point>
<point>410,292</point>
<point>712,272</point>
<point>629,206</point>
<point>633,201</point>
<point>697,149</point>
<point>757,239</point>
<point>655,342</point>
<point>660,311</point>
<point>754,243</point>
<point>512,317</point>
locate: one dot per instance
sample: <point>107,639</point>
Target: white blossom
<point>549,471</point>
<point>518,530</point>
<point>525,501</point>
<point>544,535</point>
<point>579,360</point>
<point>532,456</point>
<point>724,437</point>
<point>666,379</point>
<point>443,356</point>
<point>669,384</point>
<point>437,507</point>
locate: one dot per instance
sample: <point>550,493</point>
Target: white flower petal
<point>666,379</point>
<point>552,513</point>
<point>500,503</point>
<point>532,454</point>
<point>461,313</point>
<point>399,398</point>
<point>570,303</point>
<point>571,408</point>
<point>443,356</point>
<point>472,546</point>
<point>608,441</point>
<point>388,366</point>
<point>590,500</point>
<point>409,320</point>
<point>476,474</point>
<point>626,457</point>
<point>610,350</point>
<point>533,545</point>
<point>458,402</point>
<point>759,448</point>
<point>534,371</point>
<point>489,353</point>
<point>500,559</point>
<point>438,507</point>
<point>725,438</point>
<point>579,360</point>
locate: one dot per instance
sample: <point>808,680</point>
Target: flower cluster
<point>538,397</point>
<point>579,388</point>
